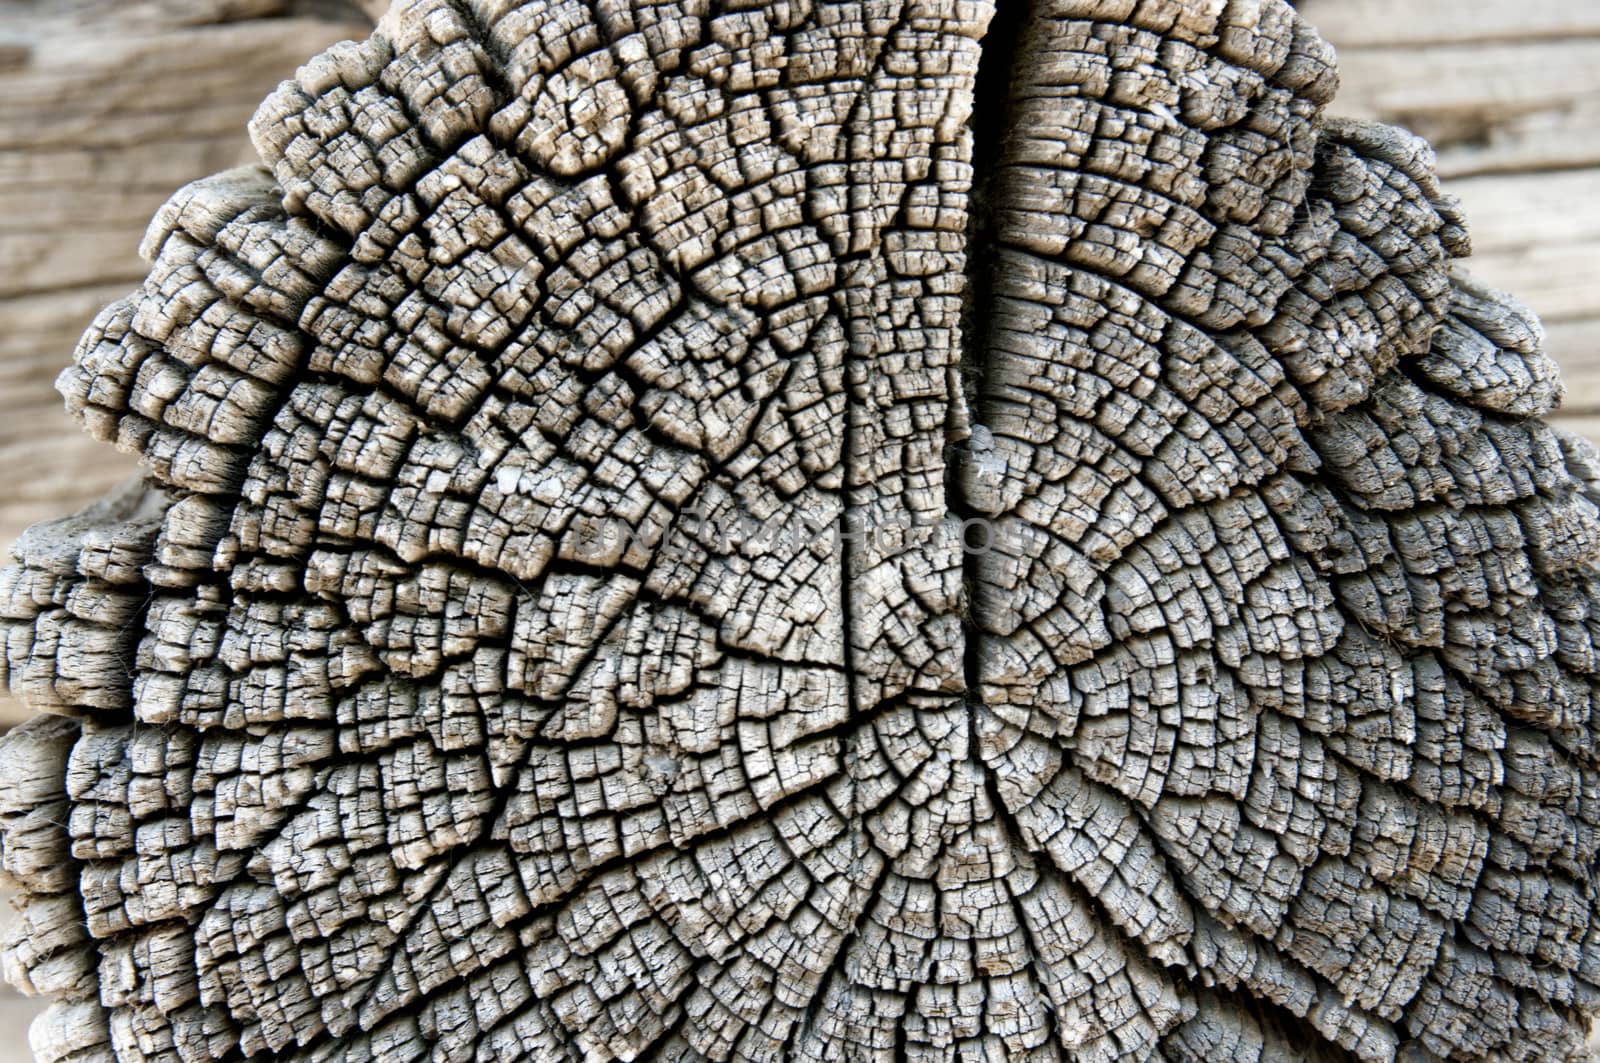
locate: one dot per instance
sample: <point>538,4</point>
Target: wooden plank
<point>1575,345</point>
<point>160,107</point>
<point>1558,282</point>
<point>1538,237</point>
<point>1563,138</point>
<point>1485,107</point>
<point>1470,81</point>
<point>1516,211</point>
<point>1387,23</point>
<point>16,1015</point>
<point>1587,426</point>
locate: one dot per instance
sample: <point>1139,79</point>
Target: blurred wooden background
<point>107,106</point>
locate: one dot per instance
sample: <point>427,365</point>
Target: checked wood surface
<point>474,713</point>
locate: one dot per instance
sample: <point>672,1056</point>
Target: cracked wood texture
<point>787,530</point>
<point>1508,94</point>
<point>106,106</point>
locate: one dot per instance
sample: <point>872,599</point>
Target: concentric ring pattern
<point>824,530</point>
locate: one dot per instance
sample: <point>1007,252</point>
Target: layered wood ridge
<point>572,612</point>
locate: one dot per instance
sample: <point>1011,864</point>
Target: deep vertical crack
<point>991,100</point>
<point>992,93</point>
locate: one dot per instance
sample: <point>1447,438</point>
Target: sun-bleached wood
<point>106,106</point>
<point>873,530</point>
<point>1508,94</point>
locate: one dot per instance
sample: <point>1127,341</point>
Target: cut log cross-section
<point>868,530</point>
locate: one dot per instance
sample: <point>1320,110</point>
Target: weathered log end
<point>875,530</point>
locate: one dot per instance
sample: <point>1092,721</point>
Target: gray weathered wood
<point>544,629</point>
<point>1506,92</point>
<point>104,109</point>
<point>1576,344</point>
